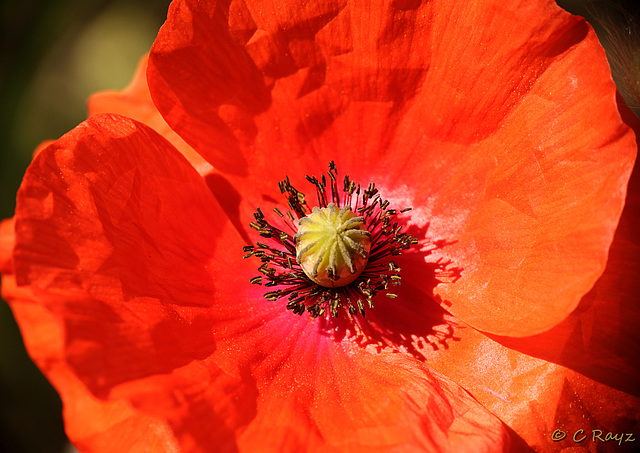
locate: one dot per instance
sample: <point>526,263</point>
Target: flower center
<point>332,245</point>
<point>338,256</point>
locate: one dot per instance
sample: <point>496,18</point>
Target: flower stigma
<point>332,256</point>
<point>332,246</point>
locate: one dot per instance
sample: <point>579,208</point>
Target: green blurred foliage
<point>53,55</point>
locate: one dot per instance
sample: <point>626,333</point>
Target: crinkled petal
<point>105,177</point>
<point>581,375</point>
<point>114,222</point>
<point>117,237</point>
<point>506,143</point>
<point>536,397</point>
<point>601,338</point>
<point>368,402</point>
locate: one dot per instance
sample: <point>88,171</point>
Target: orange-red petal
<point>116,235</point>
<point>507,143</point>
<point>92,424</point>
<point>536,397</point>
<point>581,375</point>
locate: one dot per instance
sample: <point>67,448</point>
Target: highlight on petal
<point>536,398</point>
<point>507,144</point>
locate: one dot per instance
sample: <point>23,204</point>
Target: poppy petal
<point>117,233</point>
<point>586,381</point>
<point>600,339</point>
<point>91,424</point>
<point>507,145</point>
<point>537,238</point>
<point>317,388</point>
<point>313,385</point>
<point>535,397</point>
<point>49,196</point>
<point>581,377</point>
<point>135,102</point>
<point>359,402</point>
<point>350,399</point>
<point>107,215</point>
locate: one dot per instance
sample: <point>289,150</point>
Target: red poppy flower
<point>496,123</point>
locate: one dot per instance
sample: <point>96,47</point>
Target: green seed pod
<point>332,245</point>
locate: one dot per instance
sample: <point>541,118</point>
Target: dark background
<point>53,55</point>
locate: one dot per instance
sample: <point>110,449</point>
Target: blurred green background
<point>53,55</point>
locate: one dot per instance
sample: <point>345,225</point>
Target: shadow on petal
<point>412,322</point>
<point>229,199</point>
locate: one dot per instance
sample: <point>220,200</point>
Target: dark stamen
<point>280,269</point>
